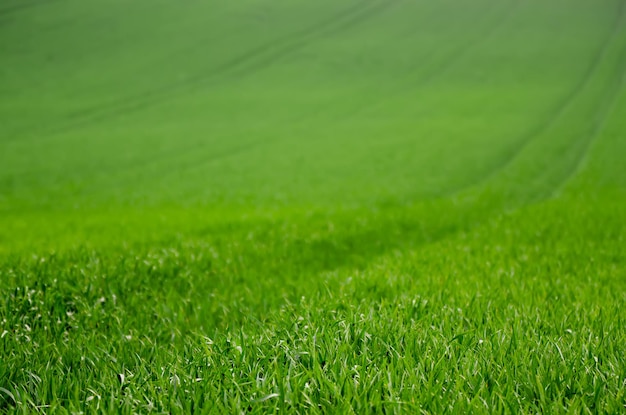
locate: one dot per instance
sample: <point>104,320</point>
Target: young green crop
<point>356,206</point>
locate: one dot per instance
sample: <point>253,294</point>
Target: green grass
<point>355,206</point>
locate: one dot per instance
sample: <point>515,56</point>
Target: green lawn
<point>351,206</point>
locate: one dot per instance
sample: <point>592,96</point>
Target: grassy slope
<point>355,205</point>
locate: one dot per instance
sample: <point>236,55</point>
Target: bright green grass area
<point>354,206</point>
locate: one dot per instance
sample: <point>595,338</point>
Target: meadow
<point>296,206</point>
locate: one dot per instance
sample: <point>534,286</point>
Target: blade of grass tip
<point>266,398</point>
<point>460,336</point>
<point>9,394</point>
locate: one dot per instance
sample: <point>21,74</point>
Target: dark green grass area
<point>355,206</point>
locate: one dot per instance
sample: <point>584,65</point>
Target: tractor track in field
<point>355,14</point>
<point>209,160</point>
<point>606,105</point>
<point>7,13</point>
<point>240,66</point>
<point>586,142</point>
<point>614,90</point>
<point>452,59</point>
<point>135,175</point>
<point>198,161</point>
<point>21,5</point>
<point>553,116</point>
<point>582,145</point>
<point>167,154</point>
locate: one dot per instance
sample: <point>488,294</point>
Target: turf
<point>355,206</point>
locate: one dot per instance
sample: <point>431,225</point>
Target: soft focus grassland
<point>390,206</point>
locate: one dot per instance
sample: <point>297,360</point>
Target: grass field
<point>351,206</point>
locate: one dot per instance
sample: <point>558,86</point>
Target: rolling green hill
<point>312,206</point>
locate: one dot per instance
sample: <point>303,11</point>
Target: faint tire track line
<point>222,69</point>
<point>244,66</point>
<point>355,19</point>
<point>248,62</point>
<point>556,113</point>
<point>453,58</point>
<point>197,162</point>
<point>202,161</point>
<point>599,125</point>
<point>22,5</point>
<point>136,174</point>
<point>611,93</point>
